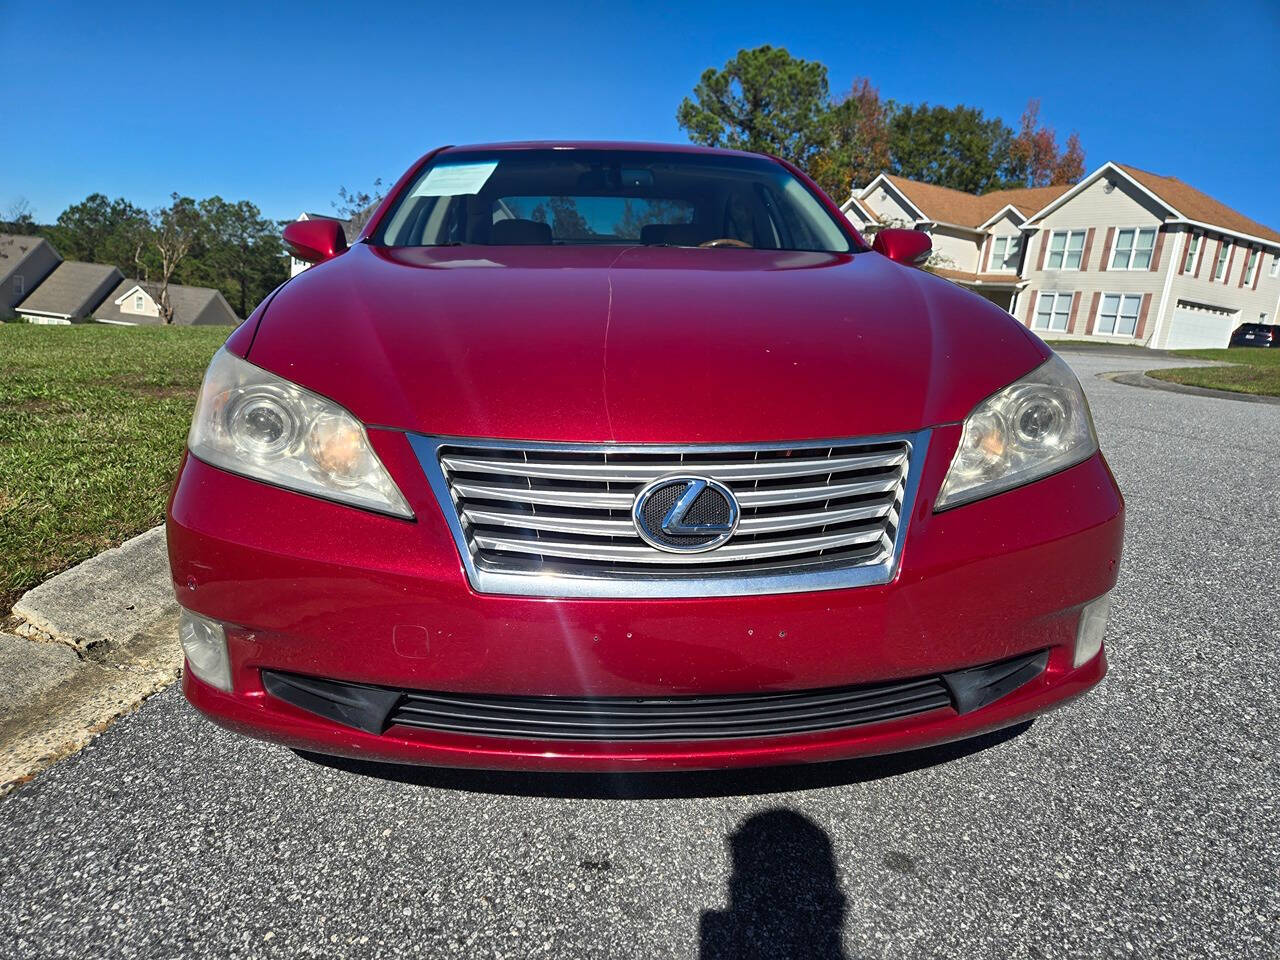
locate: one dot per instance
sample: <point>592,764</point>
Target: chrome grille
<point>555,520</point>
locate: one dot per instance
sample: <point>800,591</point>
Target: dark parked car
<point>1256,335</point>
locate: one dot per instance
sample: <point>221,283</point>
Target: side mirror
<point>911,247</point>
<point>315,240</point>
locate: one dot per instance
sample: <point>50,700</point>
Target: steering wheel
<point>726,242</point>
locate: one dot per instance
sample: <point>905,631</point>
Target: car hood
<point>639,344</point>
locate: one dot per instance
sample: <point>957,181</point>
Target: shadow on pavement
<point>637,786</point>
<point>785,899</point>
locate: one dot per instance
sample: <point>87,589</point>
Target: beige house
<point>1125,255</point>
<point>134,303</point>
<point>977,240</point>
<point>1134,257</point>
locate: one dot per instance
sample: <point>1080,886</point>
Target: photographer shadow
<point>785,899</point>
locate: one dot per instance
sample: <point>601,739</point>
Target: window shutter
<point>1075,309</point>
<point>1262,262</point>
<point>1088,245</point>
<point>1142,315</point>
<point>1093,311</point>
<point>1155,254</point>
<point>1031,306</point>
<point>1044,243</point>
<point>1226,274</point>
<point>986,256</point>
<point>1212,260</point>
<point>1106,247</point>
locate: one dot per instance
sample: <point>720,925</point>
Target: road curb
<point>1137,378</point>
<point>110,597</point>
<point>87,647</point>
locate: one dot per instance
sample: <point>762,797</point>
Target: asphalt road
<point>1140,821</point>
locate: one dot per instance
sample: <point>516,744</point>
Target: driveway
<point>1140,821</point>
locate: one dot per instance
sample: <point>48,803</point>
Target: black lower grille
<point>668,718</point>
<point>721,717</point>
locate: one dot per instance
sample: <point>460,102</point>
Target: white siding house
<point>1124,255</point>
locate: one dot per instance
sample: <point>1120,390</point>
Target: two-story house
<point>1124,255</point>
<point>1135,257</point>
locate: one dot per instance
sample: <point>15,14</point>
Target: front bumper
<point>323,590</point>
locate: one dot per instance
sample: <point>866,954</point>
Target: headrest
<point>520,231</point>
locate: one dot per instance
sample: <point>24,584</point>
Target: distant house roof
<point>72,290</point>
<point>192,306</point>
<point>15,248</point>
<point>1183,201</point>
<point>944,205</point>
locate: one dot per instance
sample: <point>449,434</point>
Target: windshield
<point>554,197</point>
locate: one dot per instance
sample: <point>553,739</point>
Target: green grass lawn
<point>1251,371</point>
<point>92,425</point>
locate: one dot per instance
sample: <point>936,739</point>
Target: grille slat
<point>600,499</point>
<point>531,515</point>
<point>604,527</point>
<point>642,553</point>
<point>725,472</point>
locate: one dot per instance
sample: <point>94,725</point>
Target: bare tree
<point>356,206</point>
<point>18,217</point>
<point>161,243</point>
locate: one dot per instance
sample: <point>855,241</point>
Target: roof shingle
<point>944,205</point>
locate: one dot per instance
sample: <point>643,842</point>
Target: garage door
<point>1195,325</point>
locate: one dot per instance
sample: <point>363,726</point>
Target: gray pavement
<point>1140,821</point>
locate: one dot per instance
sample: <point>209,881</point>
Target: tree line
<point>768,101</point>
<point>212,242</point>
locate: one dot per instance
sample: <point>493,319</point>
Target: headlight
<point>1030,429</point>
<point>253,423</point>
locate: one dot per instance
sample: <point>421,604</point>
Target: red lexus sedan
<point>596,456</point>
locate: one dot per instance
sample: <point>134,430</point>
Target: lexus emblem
<point>685,514</point>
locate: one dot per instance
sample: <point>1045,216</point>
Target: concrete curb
<point>1136,378</point>
<point>110,597</point>
<point>88,647</point>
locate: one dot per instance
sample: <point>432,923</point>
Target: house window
<point>1118,315</point>
<point>1004,253</point>
<point>1193,247</point>
<point>1251,267</point>
<point>1275,264</point>
<point>1220,267</point>
<point>1066,247</point>
<point>1053,311</point>
<point>1133,249</point>
<point>139,303</point>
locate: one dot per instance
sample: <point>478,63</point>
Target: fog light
<point>1093,624</point>
<point>204,643</point>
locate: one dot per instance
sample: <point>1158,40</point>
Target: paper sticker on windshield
<point>456,179</point>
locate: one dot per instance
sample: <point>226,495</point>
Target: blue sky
<point>282,105</point>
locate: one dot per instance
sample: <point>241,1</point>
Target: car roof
<point>597,145</point>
